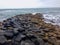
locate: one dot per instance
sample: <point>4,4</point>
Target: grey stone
<point>27,42</point>
<point>9,33</point>
<point>19,37</point>
<point>2,32</point>
<point>2,39</point>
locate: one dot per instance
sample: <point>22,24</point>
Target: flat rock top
<point>19,26</point>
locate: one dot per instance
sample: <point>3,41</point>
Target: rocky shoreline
<point>28,29</point>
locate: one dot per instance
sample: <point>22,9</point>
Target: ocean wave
<point>50,18</point>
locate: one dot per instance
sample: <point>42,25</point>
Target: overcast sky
<point>29,3</point>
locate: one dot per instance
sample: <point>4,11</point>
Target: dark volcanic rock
<point>2,39</point>
<point>28,29</point>
<point>19,37</point>
<point>8,34</point>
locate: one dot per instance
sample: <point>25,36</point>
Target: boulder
<point>9,34</point>
<point>19,37</point>
<point>2,39</point>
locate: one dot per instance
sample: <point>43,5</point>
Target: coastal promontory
<point>28,29</point>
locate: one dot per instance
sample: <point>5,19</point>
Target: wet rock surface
<point>28,29</point>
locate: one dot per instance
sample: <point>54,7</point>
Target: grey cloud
<point>50,3</point>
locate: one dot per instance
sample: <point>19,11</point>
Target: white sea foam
<point>50,18</point>
<point>33,13</point>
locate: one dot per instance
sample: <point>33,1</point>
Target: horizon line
<point>29,8</point>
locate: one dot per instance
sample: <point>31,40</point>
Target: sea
<point>51,15</point>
